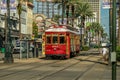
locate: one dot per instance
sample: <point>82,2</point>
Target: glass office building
<point>47,8</point>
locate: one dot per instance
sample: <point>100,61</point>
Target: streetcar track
<point>52,73</point>
<point>59,70</point>
<point>18,65</point>
<point>66,68</point>
<point>87,70</point>
<point>10,74</point>
<point>27,69</point>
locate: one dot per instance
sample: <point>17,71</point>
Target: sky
<point>105,19</point>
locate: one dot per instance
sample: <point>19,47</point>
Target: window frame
<point>53,35</point>
<point>62,35</point>
<point>47,39</point>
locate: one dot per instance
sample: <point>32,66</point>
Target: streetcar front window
<point>48,41</point>
<point>55,39</point>
<point>62,39</point>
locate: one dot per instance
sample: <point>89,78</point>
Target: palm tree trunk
<point>53,10</point>
<point>48,9</point>
<point>98,41</point>
<point>37,7</point>
<point>72,15</point>
<point>67,13</point>
<point>20,26</point>
<point>83,29</point>
<point>42,7</point>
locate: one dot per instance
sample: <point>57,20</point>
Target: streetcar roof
<point>61,30</point>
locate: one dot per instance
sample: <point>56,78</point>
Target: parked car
<point>16,49</point>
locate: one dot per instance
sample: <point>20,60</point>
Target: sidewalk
<point>100,67</point>
<point>1,56</point>
<point>92,51</point>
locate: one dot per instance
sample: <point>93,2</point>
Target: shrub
<point>118,53</point>
<point>85,48</point>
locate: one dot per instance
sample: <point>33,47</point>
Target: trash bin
<point>3,50</point>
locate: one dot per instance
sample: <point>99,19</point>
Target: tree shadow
<point>99,61</point>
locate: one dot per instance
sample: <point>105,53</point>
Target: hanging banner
<point>105,4</point>
<point>3,6</point>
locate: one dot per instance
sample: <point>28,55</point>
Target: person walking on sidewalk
<point>105,53</point>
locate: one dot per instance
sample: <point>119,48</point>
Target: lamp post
<point>113,54</point>
<point>8,45</point>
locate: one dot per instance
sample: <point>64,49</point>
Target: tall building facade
<point>29,18</point>
<point>46,7</point>
<point>13,22</point>
<point>26,23</point>
<point>95,7</point>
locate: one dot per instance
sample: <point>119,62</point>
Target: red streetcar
<point>62,41</point>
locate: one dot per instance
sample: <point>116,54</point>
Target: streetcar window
<point>48,41</point>
<point>55,39</point>
<point>62,39</point>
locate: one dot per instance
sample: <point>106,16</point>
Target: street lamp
<point>113,54</point>
<point>8,42</point>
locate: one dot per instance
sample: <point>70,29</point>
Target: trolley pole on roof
<point>113,54</point>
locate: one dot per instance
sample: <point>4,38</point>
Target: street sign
<point>106,4</point>
<point>113,57</point>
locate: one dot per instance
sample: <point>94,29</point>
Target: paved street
<point>86,66</point>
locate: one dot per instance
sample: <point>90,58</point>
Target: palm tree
<point>56,18</point>
<point>66,4</point>
<point>83,10</point>
<point>30,1</point>
<point>70,4</point>
<point>98,29</point>
<point>54,3</point>
<point>35,30</point>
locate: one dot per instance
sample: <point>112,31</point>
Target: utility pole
<point>8,43</point>
<point>113,54</point>
<point>110,32</point>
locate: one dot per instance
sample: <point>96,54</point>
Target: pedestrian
<point>32,47</point>
<point>105,53</point>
